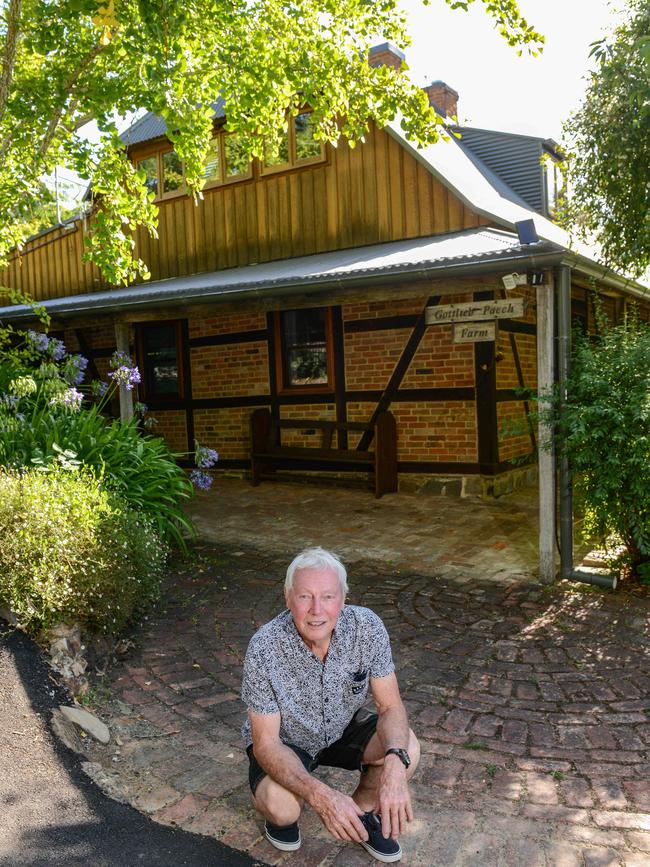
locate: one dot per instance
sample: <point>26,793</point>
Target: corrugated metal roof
<point>415,257</point>
<point>151,126</point>
<point>514,159</point>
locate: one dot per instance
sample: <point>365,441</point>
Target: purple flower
<point>126,376</point>
<point>74,369</point>
<point>123,372</point>
<point>201,480</point>
<point>38,340</point>
<point>204,457</point>
<point>8,401</point>
<point>56,349</point>
<point>98,388</point>
<point>69,399</point>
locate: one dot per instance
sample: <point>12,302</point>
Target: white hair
<point>317,558</point>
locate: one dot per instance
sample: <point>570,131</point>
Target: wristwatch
<point>403,755</point>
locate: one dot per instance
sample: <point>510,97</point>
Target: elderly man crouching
<point>306,678</point>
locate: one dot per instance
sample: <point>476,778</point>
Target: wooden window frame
<point>315,389</point>
<point>221,135</point>
<point>294,162</point>
<point>141,327</point>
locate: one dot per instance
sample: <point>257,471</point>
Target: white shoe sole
<point>380,856</point>
<point>284,847</point>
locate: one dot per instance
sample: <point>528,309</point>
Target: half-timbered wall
<point>373,193</point>
<point>455,419</point>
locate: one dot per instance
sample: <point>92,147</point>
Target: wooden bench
<point>269,454</point>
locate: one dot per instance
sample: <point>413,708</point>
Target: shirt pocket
<point>358,681</point>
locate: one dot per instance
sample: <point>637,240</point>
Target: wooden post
<point>546,459</point>
<point>122,345</point>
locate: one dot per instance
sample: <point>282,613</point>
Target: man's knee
<point>277,804</point>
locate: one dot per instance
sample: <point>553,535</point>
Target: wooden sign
<point>475,311</point>
<point>479,333</point>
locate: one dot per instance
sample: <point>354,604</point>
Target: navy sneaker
<point>386,850</point>
<point>284,837</point>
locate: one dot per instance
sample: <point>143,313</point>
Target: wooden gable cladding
<point>374,193</point>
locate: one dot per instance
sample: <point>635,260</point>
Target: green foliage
<point>608,140</point>
<point>604,428</point>
<point>140,468</point>
<point>68,62</point>
<point>73,551</point>
<point>43,423</point>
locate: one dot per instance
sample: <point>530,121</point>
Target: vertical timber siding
<point>373,193</point>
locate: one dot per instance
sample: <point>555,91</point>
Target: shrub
<point>74,551</point>
<point>604,428</point>
<point>140,468</point>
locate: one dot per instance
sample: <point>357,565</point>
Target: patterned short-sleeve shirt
<point>316,700</point>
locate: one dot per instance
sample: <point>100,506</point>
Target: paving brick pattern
<point>532,706</point>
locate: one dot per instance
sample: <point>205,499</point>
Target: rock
<point>70,632</point>
<point>66,732</point>
<point>8,615</point>
<point>89,723</point>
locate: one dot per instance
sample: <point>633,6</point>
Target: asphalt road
<point>51,814</point>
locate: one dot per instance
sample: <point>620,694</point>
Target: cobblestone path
<point>532,706</point>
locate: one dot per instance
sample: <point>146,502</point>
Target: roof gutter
<point>141,299</point>
<point>603,274</point>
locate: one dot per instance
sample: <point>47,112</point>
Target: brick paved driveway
<point>533,708</point>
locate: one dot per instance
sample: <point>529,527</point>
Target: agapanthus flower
<point>123,372</point>
<point>126,376</point>
<point>98,388</point>
<point>56,349</point>
<point>140,409</point>
<point>23,386</point>
<point>201,480</point>
<point>8,401</point>
<point>69,399</point>
<point>74,369</point>
<point>38,340</point>
<point>204,457</point>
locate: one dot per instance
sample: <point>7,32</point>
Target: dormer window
<point>298,148</point>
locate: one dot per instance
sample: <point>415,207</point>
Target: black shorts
<point>345,753</point>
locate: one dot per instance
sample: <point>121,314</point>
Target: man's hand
<point>394,798</point>
<point>339,814</point>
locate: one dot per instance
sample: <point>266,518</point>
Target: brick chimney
<point>443,98</point>
<point>386,54</point>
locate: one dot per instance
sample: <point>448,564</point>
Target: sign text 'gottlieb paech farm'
<point>475,311</point>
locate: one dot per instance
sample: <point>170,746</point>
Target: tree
<point>69,61</point>
<point>609,146</point>
<point>603,427</point>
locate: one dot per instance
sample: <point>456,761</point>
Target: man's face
<point>315,601</point>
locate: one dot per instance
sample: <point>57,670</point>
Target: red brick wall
<point>514,438</point>
<point>172,428</point>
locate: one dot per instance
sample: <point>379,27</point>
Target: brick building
<point>307,285</point>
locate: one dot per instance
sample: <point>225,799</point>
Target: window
<point>159,355</point>
<point>305,349</point>
<point>172,172</point>
<point>163,172</point>
<point>226,160</point>
<point>150,168</point>
<point>298,148</point>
